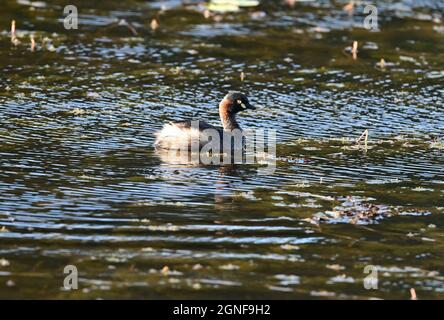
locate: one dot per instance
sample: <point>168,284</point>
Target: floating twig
<point>123,22</point>
<point>117,23</point>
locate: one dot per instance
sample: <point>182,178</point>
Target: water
<point>80,183</point>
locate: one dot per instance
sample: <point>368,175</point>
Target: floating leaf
<point>230,5</point>
<point>223,7</point>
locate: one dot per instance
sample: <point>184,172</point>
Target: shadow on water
<point>81,184</point>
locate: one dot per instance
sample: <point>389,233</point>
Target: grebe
<point>179,135</point>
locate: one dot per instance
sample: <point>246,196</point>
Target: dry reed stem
<point>14,39</point>
<point>31,38</point>
<point>413,294</point>
<point>355,50</point>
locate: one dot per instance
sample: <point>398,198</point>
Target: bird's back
<point>179,135</point>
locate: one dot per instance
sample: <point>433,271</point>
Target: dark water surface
<point>80,182</point>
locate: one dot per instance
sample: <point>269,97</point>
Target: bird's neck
<point>229,121</point>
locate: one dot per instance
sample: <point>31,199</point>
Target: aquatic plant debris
<point>381,64</point>
<point>349,8</point>
<point>354,210</point>
<point>354,50</point>
<point>437,144</point>
<point>165,270</point>
<point>154,25</point>
<point>413,294</point>
<point>4,263</point>
<point>223,6</point>
<point>32,40</point>
<point>14,40</point>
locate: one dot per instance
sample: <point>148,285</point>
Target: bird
<point>196,135</point>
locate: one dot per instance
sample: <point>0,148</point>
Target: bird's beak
<point>249,106</point>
